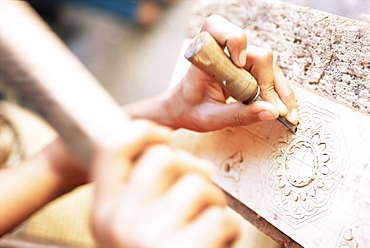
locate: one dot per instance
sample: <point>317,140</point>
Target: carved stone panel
<point>355,235</point>
<point>303,169</point>
<point>313,185</point>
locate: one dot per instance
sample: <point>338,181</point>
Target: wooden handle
<point>205,53</point>
<point>45,72</point>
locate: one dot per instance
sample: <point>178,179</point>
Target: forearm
<point>26,188</point>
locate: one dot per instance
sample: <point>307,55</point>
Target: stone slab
<point>314,185</point>
<point>321,51</point>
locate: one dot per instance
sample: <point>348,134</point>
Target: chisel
<point>205,53</point>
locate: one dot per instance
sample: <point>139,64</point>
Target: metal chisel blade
<point>286,123</point>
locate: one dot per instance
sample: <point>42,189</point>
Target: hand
<point>148,195</point>
<point>201,102</point>
<point>36,181</point>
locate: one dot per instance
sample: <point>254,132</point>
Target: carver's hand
<point>148,195</point>
<point>201,102</point>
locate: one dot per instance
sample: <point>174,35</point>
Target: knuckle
<point>203,189</point>
<point>218,215</point>
<point>267,91</point>
<point>165,158</point>
<point>171,160</point>
<point>209,21</point>
<point>159,151</point>
<point>236,39</point>
<point>267,55</point>
<point>198,185</point>
<point>183,155</point>
<point>213,18</point>
<point>240,35</point>
<point>264,55</point>
<point>239,119</point>
<point>235,36</point>
<point>195,182</point>
<point>138,130</point>
<point>291,97</point>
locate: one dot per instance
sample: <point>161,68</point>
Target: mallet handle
<point>45,72</point>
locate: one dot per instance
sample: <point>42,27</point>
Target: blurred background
<point>132,58</point>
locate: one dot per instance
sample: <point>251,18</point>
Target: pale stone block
<point>312,186</point>
<point>324,52</point>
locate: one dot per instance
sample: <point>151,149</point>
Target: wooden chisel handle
<point>45,72</point>
<point>205,53</point>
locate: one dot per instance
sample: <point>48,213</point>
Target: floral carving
<point>355,235</point>
<point>231,167</point>
<point>303,168</point>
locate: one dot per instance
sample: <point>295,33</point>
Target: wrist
<point>162,109</point>
<point>65,167</point>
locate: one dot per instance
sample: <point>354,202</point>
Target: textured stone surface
<point>348,8</point>
<point>327,53</point>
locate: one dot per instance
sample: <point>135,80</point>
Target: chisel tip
<point>286,123</point>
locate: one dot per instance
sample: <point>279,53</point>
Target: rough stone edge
<point>341,72</point>
<point>262,224</point>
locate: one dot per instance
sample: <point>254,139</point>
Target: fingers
<point>165,216</point>
<point>274,86</point>
<point>167,193</point>
<point>160,167</point>
<point>113,160</point>
<point>234,114</point>
<point>228,35</point>
<point>259,62</point>
<point>286,94</point>
<point>222,230</point>
<point>260,65</point>
<point>182,209</point>
<point>112,164</point>
<point>189,197</point>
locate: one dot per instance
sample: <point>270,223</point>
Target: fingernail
<point>266,115</point>
<point>294,115</point>
<point>242,57</point>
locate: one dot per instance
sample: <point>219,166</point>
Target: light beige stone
<point>323,52</point>
<point>312,186</point>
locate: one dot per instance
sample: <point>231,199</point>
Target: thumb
<point>220,115</point>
